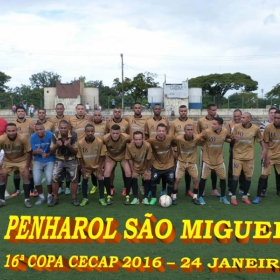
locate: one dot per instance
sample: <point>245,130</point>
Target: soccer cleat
<point>84,202</point>
<point>35,193</point>
<point>27,203</point>
<point>195,201</point>
<point>146,201</point>
<point>16,193</point>
<point>75,201</point>
<point>153,201</point>
<point>67,191</point>
<point>142,190</point>
<point>174,202</point>
<point>127,202</point>
<point>201,201</point>
<point>109,200</point>
<point>102,202</point>
<point>53,202</point>
<point>50,198</point>
<point>163,192</point>
<point>40,201</point>
<point>189,193</point>
<point>134,201</point>
<point>124,192</point>
<point>246,200</point>
<point>224,200</point>
<point>2,202</point>
<point>256,200</point>
<point>112,191</point>
<point>61,190</point>
<point>264,194</point>
<point>105,191</point>
<point>93,189</point>
<point>215,193</point>
<point>233,200</point>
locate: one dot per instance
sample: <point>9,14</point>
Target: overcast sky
<point>180,39</point>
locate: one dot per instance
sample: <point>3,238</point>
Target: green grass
<point>268,210</point>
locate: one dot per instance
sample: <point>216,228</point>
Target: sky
<point>177,40</point>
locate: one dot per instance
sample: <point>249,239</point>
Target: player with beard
<point>42,119</point>
<point>17,157</point>
<point>139,155</point>
<point>65,146</point>
<point>25,128</point>
<point>177,128</point>
<point>206,123</point>
<point>91,155</point>
<point>59,108</point>
<point>115,143</point>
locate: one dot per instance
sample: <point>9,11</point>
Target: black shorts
<point>167,173</point>
<point>67,169</point>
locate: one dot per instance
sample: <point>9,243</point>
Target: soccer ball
<point>165,201</point>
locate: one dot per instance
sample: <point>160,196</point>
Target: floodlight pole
<point>122,83</point>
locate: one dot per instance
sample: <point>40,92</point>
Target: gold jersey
<point>116,149</point>
<point>49,126</point>
<point>230,125</point>
<point>139,156</point>
<point>99,129</point>
<point>78,125</point>
<point>203,123</point>
<point>123,125</point>
<point>243,149</point>
<point>187,149</point>
<point>55,120</point>
<point>213,147</point>
<point>177,126</point>
<point>136,124</point>
<point>271,136</point>
<point>162,152</point>
<point>151,127</point>
<point>91,152</point>
<point>25,128</point>
<point>15,150</point>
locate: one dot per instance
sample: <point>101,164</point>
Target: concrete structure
<point>70,95</point>
<point>195,98</point>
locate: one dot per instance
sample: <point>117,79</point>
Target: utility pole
<point>122,84</point>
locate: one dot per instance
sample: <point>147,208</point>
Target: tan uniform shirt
<point>139,156</point>
<point>25,128</point>
<point>78,125</point>
<point>123,125</point>
<point>271,136</point>
<point>177,126</point>
<point>55,120</point>
<point>91,152</point>
<point>136,124</point>
<point>100,129</point>
<point>151,127</point>
<point>203,123</point>
<point>243,149</point>
<point>16,150</point>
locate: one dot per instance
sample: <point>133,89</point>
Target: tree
<point>137,88</point>
<point>244,100</point>
<point>44,79</point>
<point>219,84</point>
<point>3,80</point>
<point>274,93</point>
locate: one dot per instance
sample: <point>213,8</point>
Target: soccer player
<point>42,119</point>
<point>139,155</point>
<point>117,119</point>
<point>91,154</point>
<point>59,108</point>
<point>243,137</point>
<point>65,146</point>
<point>229,126</point>
<point>163,162</point>
<point>271,113</point>
<point>25,128</point>
<point>177,128</point>
<point>115,143</point>
<point>271,137</point>
<point>206,123</point>
<point>43,161</point>
<point>187,151</point>
<point>212,157</point>
<point>17,156</point>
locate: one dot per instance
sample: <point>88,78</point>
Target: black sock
<point>223,187</point>
<point>85,187</point>
<point>101,188</point>
<point>154,190</point>
<point>60,184</point>
<point>127,184</point>
<point>201,186</point>
<point>163,183</point>
<point>68,184</point>
<point>2,191</point>
<point>17,183</point>
<point>135,187</point>
<point>31,184</point>
<point>94,179</point>
<point>188,181</point>
<point>147,188</point>
<point>107,185</point>
<point>169,189</point>
<point>277,177</point>
<point>261,186</point>
<point>26,188</point>
<point>214,180</point>
<point>247,186</point>
<point>234,184</point>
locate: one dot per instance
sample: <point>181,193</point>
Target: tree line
<point>214,88</point>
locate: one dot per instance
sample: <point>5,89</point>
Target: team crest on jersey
<point>95,149</point>
<point>133,121</point>
<point>206,126</point>
<point>152,126</point>
<point>179,126</point>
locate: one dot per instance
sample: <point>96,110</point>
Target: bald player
<point>17,157</point>
<point>244,136</point>
<point>206,123</point>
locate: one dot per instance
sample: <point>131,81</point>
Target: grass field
<point>268,210</point>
